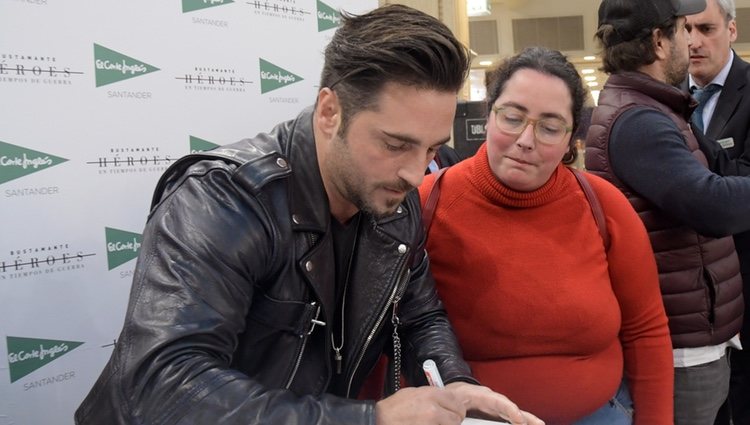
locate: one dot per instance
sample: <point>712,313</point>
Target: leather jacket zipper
<point>312,239</point>
<point>297,362</point>
<point>392,300</point>
<point>299,357</point>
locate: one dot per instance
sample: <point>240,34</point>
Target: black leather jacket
<point>236,262</point>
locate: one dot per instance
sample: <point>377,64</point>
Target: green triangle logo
<point>16,161</point>
<point>26,355</point>
<point>111,67</point>
<point>328,17</point>
<point>273,77</point>
<point>122,246</point>
<point>200,145</point>
<point>191,5</point>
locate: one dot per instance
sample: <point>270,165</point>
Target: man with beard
<point>640,140</point>
<point>720,80</point>
<point>275,271</point>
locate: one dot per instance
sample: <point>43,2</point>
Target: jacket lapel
<point>730,97</point>
<point>310,214</point>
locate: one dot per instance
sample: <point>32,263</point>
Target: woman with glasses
<point>567,325</point>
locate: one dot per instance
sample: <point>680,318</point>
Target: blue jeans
<point>617,411</point>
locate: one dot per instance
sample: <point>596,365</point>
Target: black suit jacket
<point>731,118</point>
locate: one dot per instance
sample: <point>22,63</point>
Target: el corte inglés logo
<point>16,161</point>
<point>200,145</point>
<point>26,355</point>
<point>328,17</point>
<point>122,246</point>
<point>111,66</point>
<point>191,5</point>
<point>273,77</point>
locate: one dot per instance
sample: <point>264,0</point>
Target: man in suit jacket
<point>725,116</point>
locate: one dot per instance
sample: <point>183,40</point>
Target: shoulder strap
<point>432,199</point>
<point>601,222</point>
<point>596,207</point>
<point>438,161</point>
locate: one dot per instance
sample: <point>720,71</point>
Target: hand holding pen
<point>504,407</point>
<point>432,373</point>
<point>446,405</point>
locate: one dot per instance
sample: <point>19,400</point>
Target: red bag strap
<point>596,207</point>
<point>432,199</point>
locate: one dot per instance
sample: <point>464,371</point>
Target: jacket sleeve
<point>427,333</point>
<point>644,333</point>
<point>648,153</point>
<point>191,292</point>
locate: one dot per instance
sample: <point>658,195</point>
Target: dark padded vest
<point>699,276</point>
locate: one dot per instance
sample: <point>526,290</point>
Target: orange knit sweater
<point>544,315</point>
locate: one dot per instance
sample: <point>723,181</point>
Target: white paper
<point>472,421</point>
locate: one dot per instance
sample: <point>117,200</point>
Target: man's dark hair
<point>630,55</point>
<point>391,44</point>
<point>545,61</point>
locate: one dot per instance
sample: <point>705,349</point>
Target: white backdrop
<point>97,98</point>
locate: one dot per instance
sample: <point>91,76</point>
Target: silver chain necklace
<point>337,350</point>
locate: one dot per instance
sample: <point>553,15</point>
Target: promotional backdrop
<point>97,99</point>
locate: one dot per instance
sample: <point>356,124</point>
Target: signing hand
<point>483,399</point>
<point>421,406</point>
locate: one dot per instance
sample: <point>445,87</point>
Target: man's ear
<point>732,31</point>
<point>660,43</point>
<point>327,113</point>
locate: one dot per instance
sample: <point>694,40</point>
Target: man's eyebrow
<point>697,24</point>
<point>411,140</point>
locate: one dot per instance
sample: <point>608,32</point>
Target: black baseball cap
<point>635,18</point>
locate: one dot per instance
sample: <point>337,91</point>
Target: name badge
<point>726,143</point>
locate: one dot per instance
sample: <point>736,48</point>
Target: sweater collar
<point>482,177</point>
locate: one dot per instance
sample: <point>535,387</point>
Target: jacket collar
<point>308,198</point>
<point>677,100</point>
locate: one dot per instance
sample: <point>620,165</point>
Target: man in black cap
<point>641,141</point>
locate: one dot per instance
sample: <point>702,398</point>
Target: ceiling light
<point>590,78</point>
<point>587,71</point>
<point>592,84</point>
<point>485,63</point>
<point>478,8</point>
<point>595,96</point>
<point>589,58</point>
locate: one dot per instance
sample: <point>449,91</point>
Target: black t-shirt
<point>344,242</point>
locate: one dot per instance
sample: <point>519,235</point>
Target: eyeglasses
<point>548,131</point>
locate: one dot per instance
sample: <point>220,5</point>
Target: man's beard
<point>356,193</point>
<point>677,70</point>
<point>353,187</point>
